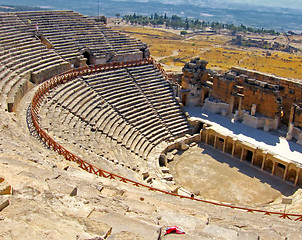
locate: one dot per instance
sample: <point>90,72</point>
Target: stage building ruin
<point>257,99</point>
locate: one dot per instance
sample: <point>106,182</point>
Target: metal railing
<point>49,142</point>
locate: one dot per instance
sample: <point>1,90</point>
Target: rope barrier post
<point>286,201</point>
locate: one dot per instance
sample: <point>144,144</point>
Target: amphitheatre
<point>98,141</point>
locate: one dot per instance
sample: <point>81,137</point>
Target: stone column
<point>233,149</point>
<point>239,107</point>
<point>231,105</point>
<point>266,125</point>
<point>274,167</point>
<point>253,158</point>
<point>215,142</point>
<point>263,161</point>
<point>242,153</point>
<point>207,137</point>
<point>202,96</point>
<point>300,139</point>
<point>297,176</point>
<point>224,145</point>
<point>289,134</point>
<point>285,172</point>
<point>253,110</point>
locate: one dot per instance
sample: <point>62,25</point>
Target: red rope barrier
<point>68,76</point>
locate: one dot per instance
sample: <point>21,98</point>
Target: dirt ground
<point>216,49</point>
<point>216,176</point>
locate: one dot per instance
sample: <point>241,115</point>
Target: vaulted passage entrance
<point>88,56</point>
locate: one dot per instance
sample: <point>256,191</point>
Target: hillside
<point>173,50</point>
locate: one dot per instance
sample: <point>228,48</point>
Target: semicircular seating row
<point>69,32</point>
<point>128,113</point>
<point>24,59</point>
<point>21,57</point>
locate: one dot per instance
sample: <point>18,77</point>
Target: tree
<point>117,15</point>
<point>183,32</point>
<point>187,24</point>
<point>102,19</point>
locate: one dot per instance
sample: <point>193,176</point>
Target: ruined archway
<point>258,161</point>
<point>238,151</point>
<point>248,156</point>
<point>291,175</point>
<point>268,166</point>
<point>229,148</point>
<point>220,143</point>
<point>88,57</point>
<point>280,170</point>
<point>205,93</point>
<point>211,140</point>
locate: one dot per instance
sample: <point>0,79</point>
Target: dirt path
<point>174,54</point>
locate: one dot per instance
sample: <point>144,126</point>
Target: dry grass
<point>171,49</point>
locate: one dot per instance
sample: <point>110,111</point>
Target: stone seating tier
<point>79,32</point>
<point>113,104</point>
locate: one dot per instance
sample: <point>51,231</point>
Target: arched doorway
<point>291,175</point>
<point>220,143</point>
<point>268,166</point>
<point>211,140</point>
<point>184,99</point>
<point>280,169</point>
<point>258,161</point>
<point>229,148</point>
<point>248,156</point>
<point>88,57</point>
<point>238,151</point>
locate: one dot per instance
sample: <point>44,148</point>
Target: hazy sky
<point>295,4</point>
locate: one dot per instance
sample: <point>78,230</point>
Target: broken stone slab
<point>170,156</point>
<point>74,192</point>
<point>168,177</point>
<point>145,175</point>
<point>174,152</point>
<point>183,146</point>
<point>220,232</point>
<point>5,190</point>
<point>165,170</point>
<point>122,223</point>
<point>4,202</point>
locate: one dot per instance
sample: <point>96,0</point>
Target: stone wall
<point>290,90</point>
<point>266,101</point>
<point>222,88</point>
<point>270,96</point>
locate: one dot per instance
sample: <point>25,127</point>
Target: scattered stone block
<point>165,170</point>
<point>6,190</point>
<point>145,175</point>
<point>74,192</point>
<point>174,152</point>
<point>183,146</point>
<point>170,156</point>
<point>162,160</point>
<point>3,204</point>
<point>175,191</point>
<point>168,177</point>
